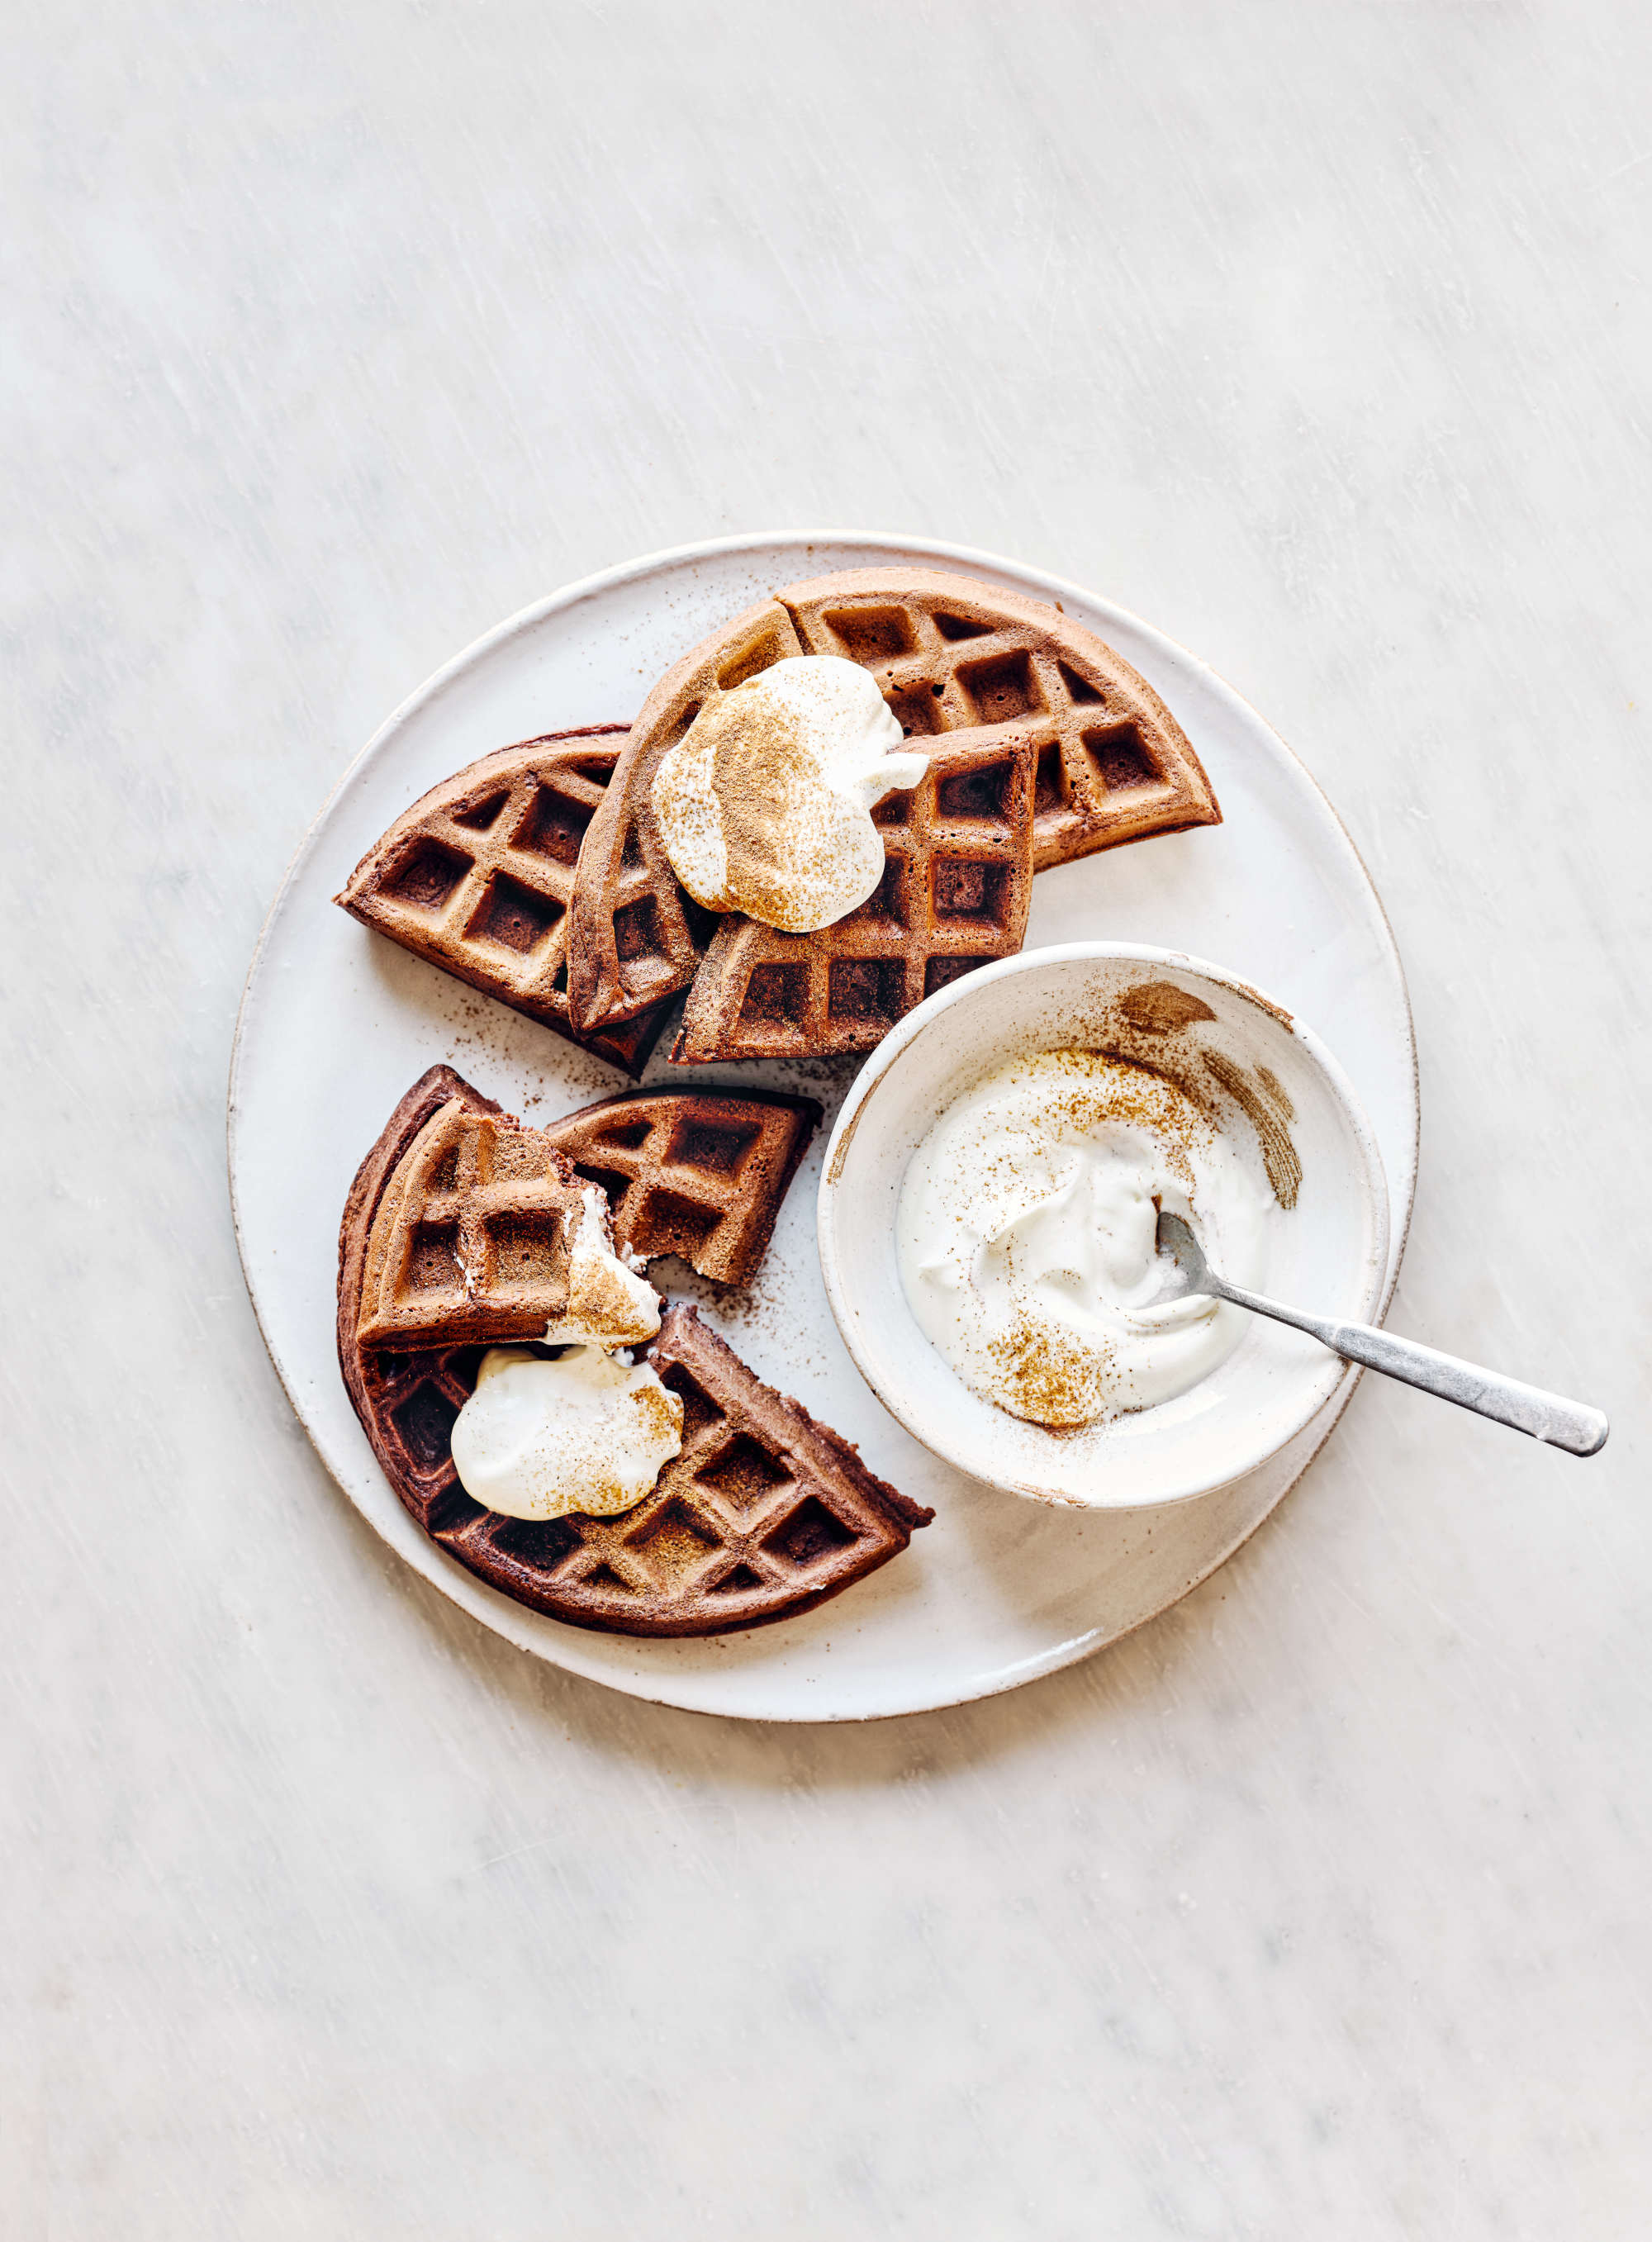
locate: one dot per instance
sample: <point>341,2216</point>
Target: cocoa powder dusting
<point>1159,1008</point>
<point>1269,1110</point>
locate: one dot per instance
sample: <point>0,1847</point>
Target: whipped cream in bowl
<point>989,1207</point>
<point>1026,1233</point>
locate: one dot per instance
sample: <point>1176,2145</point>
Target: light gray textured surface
<point>1319,337</point>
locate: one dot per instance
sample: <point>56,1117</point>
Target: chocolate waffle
<point>476,878</point>
<point>470,1236</point>
<point>763,1514</point>
<point>952,655</point>
<point>955,655</point>
<point>957,878</point>
<point>700,1173</point>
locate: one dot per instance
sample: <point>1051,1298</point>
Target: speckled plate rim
<point>498,1612</point>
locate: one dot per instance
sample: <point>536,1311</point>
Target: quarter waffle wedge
<point>764,1514</point>
<point>957,878</point>
<point>635,936</point>
<point>476,877</point>
<point>955,655</point>
<point>700,1173</point>
<point>471,1231</point>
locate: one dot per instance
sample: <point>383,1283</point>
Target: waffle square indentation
<point>1050,788</point>
<point>982,793</point>
<point>810,1532</point>
<point>674,1543</point>
<point>1005,687</point>
<point>864,988</point>
<point>968,890</point>
<point>869,635</point>
<point>425,1422</point>
<point>887,904</point>
<point>539,1543</point>
<point>679,1226</point>
<point>1121,759</point>
<point>432,1265</point>
<point>776,995</point>
<point>636,930</point>
<point>427,876</point>
<point>715,1147</point>
<point>915,710</point>
<point>1079,689</point>
<point>553,827</point>
<point>741,1582</point>
<point>527,1245</point>
<point>941,972</point>
<point>744,1475</point>
<point>476,816</point>
<point>512,916</point>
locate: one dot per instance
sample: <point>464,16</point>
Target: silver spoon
<point>1566,1425</point>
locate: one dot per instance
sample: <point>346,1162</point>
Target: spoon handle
<point>1563,1424</point>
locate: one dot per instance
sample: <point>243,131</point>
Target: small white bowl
<point>1326,1253</point>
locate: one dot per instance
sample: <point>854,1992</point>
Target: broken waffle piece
<point>482,1230</point>
<point>697,1172</point>
<point>762,1514</point>
<point>476,878</point>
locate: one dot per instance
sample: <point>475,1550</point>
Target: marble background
<point>1318,336</point>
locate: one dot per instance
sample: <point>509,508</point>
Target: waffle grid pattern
<point>697,1173</point>
<point>756,1470</point>
<point>1113,764</point>
<point>732,1518</point>
<point>471,1235</point>
<point>763,1512</point>
<point>953,658</point>
<point>478,877</point>
<point>955,888</point>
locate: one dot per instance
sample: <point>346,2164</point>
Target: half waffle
<point>952,655</point>
<point>763,1514</point>
<point>470,1235</point>
<point>957,878</point>
<point>477,876</point>
<point>700,1173</point>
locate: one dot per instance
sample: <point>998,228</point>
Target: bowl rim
<point>968,989</point>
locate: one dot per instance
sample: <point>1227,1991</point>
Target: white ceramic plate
<point>336,1023</point>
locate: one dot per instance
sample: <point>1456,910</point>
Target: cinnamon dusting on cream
<point>1027,1237</point>
<point>764,805</point>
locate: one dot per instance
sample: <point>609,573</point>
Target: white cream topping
<point>1026,1234</point>
<point>588,1432</point>
<point>608,1303</point>
<point>764,805</point>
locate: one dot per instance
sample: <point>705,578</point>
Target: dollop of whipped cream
<point>609,1303</point>
<point>1027,1237</point>
<point>764,805</point>
<point>590,1432</point>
